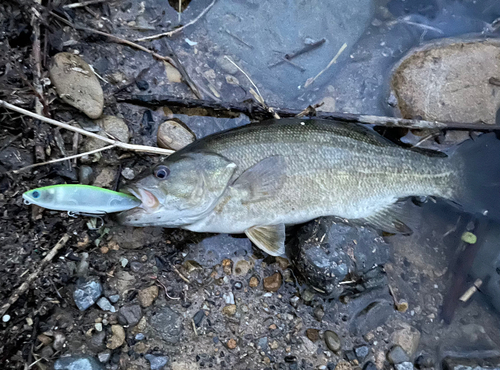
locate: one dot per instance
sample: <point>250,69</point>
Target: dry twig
<point>177,30</point>
<point>24,286</point>
<point>83,3</point>
<point>311,80</point>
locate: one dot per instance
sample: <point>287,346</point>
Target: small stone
<point>47,352</point>
<point>5,318</point>
<point>44,339</point>
<point>104,250</point>
<point>294,301</point>
<point>273,283</point>
<point>332,340</point>
<point>242,267</point>
<point>130,315</point>
<point>77,363</point>
<point>397,355</point>
<point>105,305</point>
<point>136,266</point>
<point>228,297</point>
<point>262,343</point>
<point>273,327</point>
<point>343,365</point>
<point>118,337</point>
<point>370,366</point>
<point>123,262</point>
<point>198,317</point>
<point>312,334</point>
<point>156,362</point>
<point>147,296</point>
<point>405,366</point>
<point>59,341</point>
<point>76,84</point>
<point>274,345</point>
<point>128,173</point>
<point>361,352</point>
<point>85,174</point>
<point>227,266</point>
<point>231,343</point>
<point>139,337</point>
<point>96,342</point>
<point>112,125</point>
<point>114,298</point>
<point>174,134</point>
<point>104,356</point>
<point>229,310</point>
<point>142,85</point>
<point>232,80</point>
<point>254,282</point>
<point>238,285</point>
<point>308,295</point>
<point>408,338</point>
<point>319,313</point>
<point>86,294</point>
<point>283,263</point>
<point>98,326</point>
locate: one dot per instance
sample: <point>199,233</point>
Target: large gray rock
<point>76,84</point>
<point>77,363</point>
<point>450,81</point>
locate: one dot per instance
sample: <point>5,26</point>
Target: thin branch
<point>119,144</point>
<point>24,286</point>
<point>83,3</point>
<point>65,158</point>
<point>334,60</point>
<point>177,30</point>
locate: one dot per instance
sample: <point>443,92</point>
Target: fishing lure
<point>80,199</point>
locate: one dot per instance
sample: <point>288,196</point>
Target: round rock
<point>332,340</point>
<point>76,84</point>
<point>174,134</point>
<point>109,124</point>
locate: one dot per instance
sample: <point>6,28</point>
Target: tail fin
<point>479,163</point>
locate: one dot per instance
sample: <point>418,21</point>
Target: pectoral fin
<point>391,219</point>
<point>271,239</point>
<point>262,180</point>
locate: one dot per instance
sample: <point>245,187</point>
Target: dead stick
<point>83,3</point>
<point>24,286</point>
<point>256,112</point>
<point>177,30</point>
<point>119,144</point>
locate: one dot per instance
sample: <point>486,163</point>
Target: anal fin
<point>391,219</point>
<point>271,238</point>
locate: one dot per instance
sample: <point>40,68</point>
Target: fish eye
<point>161,172</point>
<point>36,194</point>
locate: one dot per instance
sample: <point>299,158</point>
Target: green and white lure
<point>80,199</point>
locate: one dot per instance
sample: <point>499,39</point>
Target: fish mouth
<point>149,202</point>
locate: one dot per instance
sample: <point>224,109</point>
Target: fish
<point>75,198</point>
<point>259,178</point>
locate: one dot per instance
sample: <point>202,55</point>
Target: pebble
<point>227,266</point>
<point>228,297</point>
<point>405,366</point>
<point>157,362</point>
<point>114,298</point>
<point>361,352</point>
<point>142,85</point>
<point>397,355</point>
<point>104,356</point>
<point>274,344</point>
<point>198,317</point>
<point>139,336</point>
<point>262,343</point>
<point>174,134</point>
<point>59,341</point>
<point>136,266</point>
<point>147,296</point>
<point>308,295</point>
<point>86,294</point>
<point>343,365</point>
<point>312,334</point>
<point>370,366</point>
<point>77,363</point>
<point>319,313</point>
<point>238,285</point>
<point>254,282</point>
<point>231,343</point>
<point>229,310</point>
<point>408,338</point>
<point>123,262</point>
<point>273,283</point>
<point>105,305</point>
<point>5,318</point>
<point>76,84</point>
<point>98,326</point>
<point>118,337</point>
<point>44,339</point>
<point>242,267</point>
<point>85,174</point>
<point>128,173</point>
<point>294,301</point>
<point>130,315</point>
<point>332,340</point>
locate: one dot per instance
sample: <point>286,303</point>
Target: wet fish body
<point>258,178</point>
<point>80,199</point>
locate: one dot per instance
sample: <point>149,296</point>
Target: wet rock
<point>361,352</point>
<point>326,250</point>
<point>105,305</point>
<point>174,134</point>
<point>273,283</point>
<point>130,315</point>
<point>404,366</point>
<point>104,356</point>
<point>450,81</point>
<point>86,294</point>
<point>407,338</point>
<point>118,337</point>
<point>332,340</point>
<point>229,310</point>
<point>397,355</point>
<point>157,362</point>
<point>312,334</point>
<point>76,84</point>
<point>108,124</point>
<point>147,296</point>
<point>167,323</point>
<point>77,363</point>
